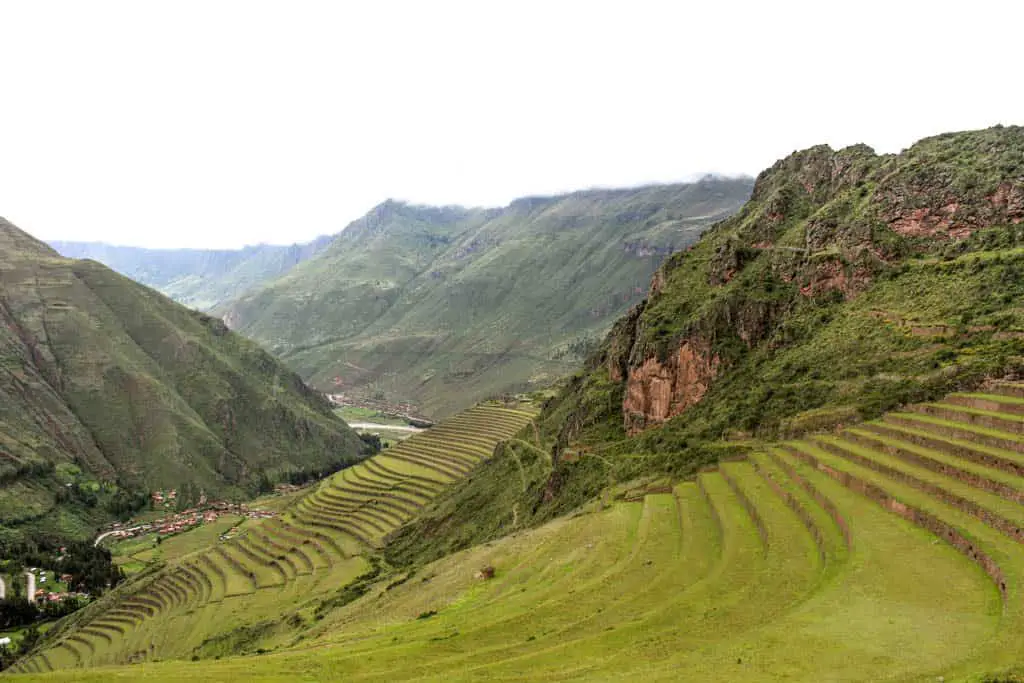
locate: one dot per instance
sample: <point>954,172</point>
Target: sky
<point>217,123</point>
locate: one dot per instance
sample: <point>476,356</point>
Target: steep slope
<point>296,564</point>
<point>849,285</point>
<point>198,278</point>
<point>109,390</point>
<point>892,551</point>
<point>444,306</point>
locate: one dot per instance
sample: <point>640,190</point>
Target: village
<point>204,513</point>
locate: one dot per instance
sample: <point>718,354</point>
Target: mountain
<point>198,278</point>
<point>109,390</point>
<point>445,306</point>
<point>849,285</point>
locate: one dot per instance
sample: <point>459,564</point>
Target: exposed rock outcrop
<point>820,224</point>
<point>656,391</point>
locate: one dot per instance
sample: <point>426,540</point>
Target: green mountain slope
<point>198,278</point>
<point>850,284</point>
<point>109,390</point>
<point>443,306</point>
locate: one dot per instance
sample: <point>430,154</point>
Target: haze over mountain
<point>198,278</point>
<point>109,390</point>
<point>443,306</point>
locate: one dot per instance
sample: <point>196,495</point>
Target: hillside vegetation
<point>888,551</point>
<point>266,587</point>
<point>109,390</point>
<point>445,306</point>
<point>198,278</point>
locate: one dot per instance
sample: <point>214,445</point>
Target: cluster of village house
<point>187,519</point>
<point>41,595</point>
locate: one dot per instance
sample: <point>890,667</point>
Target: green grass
<point>682,581</point>
<point>264,588</point>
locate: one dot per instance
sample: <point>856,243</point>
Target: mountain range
<point>443,306</point>
<point>198,278</point>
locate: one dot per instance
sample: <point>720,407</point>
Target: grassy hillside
<point>198,278</point>
<point>850,283</point>
<point>889,551</point>
<point>444,306</point>
<point>267,586</point>
<point>109,390</point>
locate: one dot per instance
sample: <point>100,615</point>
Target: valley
<point>798,455</point>
<point>857,547</point>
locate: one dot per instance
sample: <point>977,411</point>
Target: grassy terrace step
<point>382,518</point>
<point>268,570</point>
<point>460,456</point>
<point>380,505</point>
<point>323,544</point>
<point>413,491</point>
<point>353,494</point>
<point>353,530</point>
<point>989,479</point>
<point>240,580</point>
<point>218,577</point>
<point>991,402</point>
<point>1000,421</point>
<point>827,535</point>
<point>379,467</point>
<point>336,543</point>
<point>709,603</point>
<point>1010,462</point>
<point>370,473</point>
<point>972,537</point>
<point>997,512</point>
<point>367,482</point>
<point>478,443</point>
<point>306,546</point>
<point>296,561</point>
<point>958,430</point>
<point>445,470</point>
<point>262,572</point>
<point>1009,389</point>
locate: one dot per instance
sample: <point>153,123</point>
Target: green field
<point>888,551</point>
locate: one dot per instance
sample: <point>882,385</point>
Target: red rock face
<point>952,219</point>
<point>931,223</point>
<point>656,391</point>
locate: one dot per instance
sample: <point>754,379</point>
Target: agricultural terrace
<point>280,566</point>
<point>891,550</point>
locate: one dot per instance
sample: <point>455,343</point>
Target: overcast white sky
<point>215,123</point>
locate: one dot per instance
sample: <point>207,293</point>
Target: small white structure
<point>3,588</point>
<point>30,580</point>
<point>5,641</point>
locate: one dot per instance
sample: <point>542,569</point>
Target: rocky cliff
<point>822,226</point>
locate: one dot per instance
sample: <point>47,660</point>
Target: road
<point>108,533</point>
